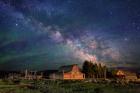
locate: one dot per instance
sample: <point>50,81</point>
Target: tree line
<point>94,70</point>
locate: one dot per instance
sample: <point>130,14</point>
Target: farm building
<point>131,76</point>
<point>70,72</point>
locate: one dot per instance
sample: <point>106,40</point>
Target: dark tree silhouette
<point>94,70</point>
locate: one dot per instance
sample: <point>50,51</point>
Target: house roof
<point>67,68</point>
<point>128,73</point>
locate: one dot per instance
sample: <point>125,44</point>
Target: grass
<point>47,86</point>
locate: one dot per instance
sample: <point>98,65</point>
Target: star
<point>125,39</point>
<point>16,24</point>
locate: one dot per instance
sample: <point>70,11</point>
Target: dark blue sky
<point>45,34</point>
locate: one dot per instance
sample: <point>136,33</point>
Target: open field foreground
<point>48,86</point>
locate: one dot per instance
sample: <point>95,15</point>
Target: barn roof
<point>67,68</point>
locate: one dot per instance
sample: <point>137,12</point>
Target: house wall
<point>73,76</point>
<point>131,78</point>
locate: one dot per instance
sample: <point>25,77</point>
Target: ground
<point>51,86</point>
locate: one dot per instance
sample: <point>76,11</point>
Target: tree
<point>104,71</point>
<point>87,69</point>
<point>100,70</point>
<point>94,70</point>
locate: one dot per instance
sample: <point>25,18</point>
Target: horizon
<point>136,70</point>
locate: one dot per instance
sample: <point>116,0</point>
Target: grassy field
<point>47,86</point>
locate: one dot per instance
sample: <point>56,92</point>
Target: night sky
<point>45,34</point>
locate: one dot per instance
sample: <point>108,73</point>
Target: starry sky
<point>45,34</point>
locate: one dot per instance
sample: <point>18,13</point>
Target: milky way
<point>45,34</point>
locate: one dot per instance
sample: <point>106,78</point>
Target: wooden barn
<point>70,72</point>
<point>127,75</point>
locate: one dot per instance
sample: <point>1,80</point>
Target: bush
<point>98,90</point>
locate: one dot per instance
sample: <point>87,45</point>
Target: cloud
<point>93,45</point>
<point>85,56</point>
<point>80,53</point>
<point>57,36</point>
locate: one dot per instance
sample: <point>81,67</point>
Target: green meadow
<point>58,86</point>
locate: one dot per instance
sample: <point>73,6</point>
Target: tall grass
<point>58,86</point>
